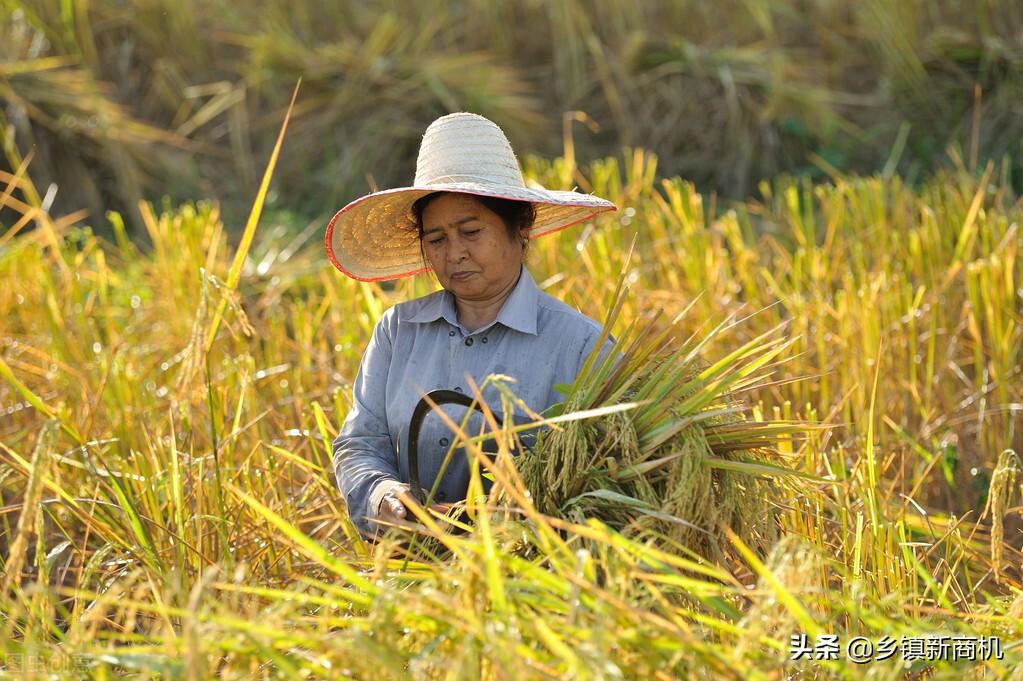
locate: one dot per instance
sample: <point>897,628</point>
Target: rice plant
<point>167,505</point>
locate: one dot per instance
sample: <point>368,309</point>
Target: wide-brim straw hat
<point>373,238</point>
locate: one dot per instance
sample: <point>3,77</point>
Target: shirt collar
<point>519,311</point>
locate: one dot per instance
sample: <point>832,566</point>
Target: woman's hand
<point>395,505</point>
<point>392,508</point>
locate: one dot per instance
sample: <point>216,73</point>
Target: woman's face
<point>468,247</point>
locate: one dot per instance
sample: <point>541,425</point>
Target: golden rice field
<point>168,508</point>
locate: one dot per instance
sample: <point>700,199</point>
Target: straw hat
<point>373,238</point>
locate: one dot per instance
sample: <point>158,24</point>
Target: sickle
<point>423,408</point>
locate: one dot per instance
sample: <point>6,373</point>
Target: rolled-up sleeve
<point>365,462</point>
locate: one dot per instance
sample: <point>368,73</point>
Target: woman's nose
<point>457,250</point>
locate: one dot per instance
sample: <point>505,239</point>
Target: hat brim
<point>373,237</point>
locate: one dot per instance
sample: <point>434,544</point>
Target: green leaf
<point>611,495</point>
<point>556,409</point>
<point>637,504</point>
<point>760,468</point>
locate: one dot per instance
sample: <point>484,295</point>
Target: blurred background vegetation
<point>124,100</point>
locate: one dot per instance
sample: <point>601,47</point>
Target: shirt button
<point>468,341</point>
<point>451,332</point>
<point>443,442</point>
<point>484,339</point>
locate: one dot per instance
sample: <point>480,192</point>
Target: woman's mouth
<point>462,276</point>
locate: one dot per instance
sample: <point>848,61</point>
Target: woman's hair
<point>515,214</point>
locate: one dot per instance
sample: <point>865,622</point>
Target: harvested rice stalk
<point>683,465</point>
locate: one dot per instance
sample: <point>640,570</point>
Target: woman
<point>468,217</point>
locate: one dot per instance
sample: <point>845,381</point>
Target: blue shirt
<point>418,346</point>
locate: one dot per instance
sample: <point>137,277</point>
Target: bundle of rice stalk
<point>682,465</point>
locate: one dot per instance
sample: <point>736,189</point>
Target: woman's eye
<point>472,232</point>
<point>435,241</point>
